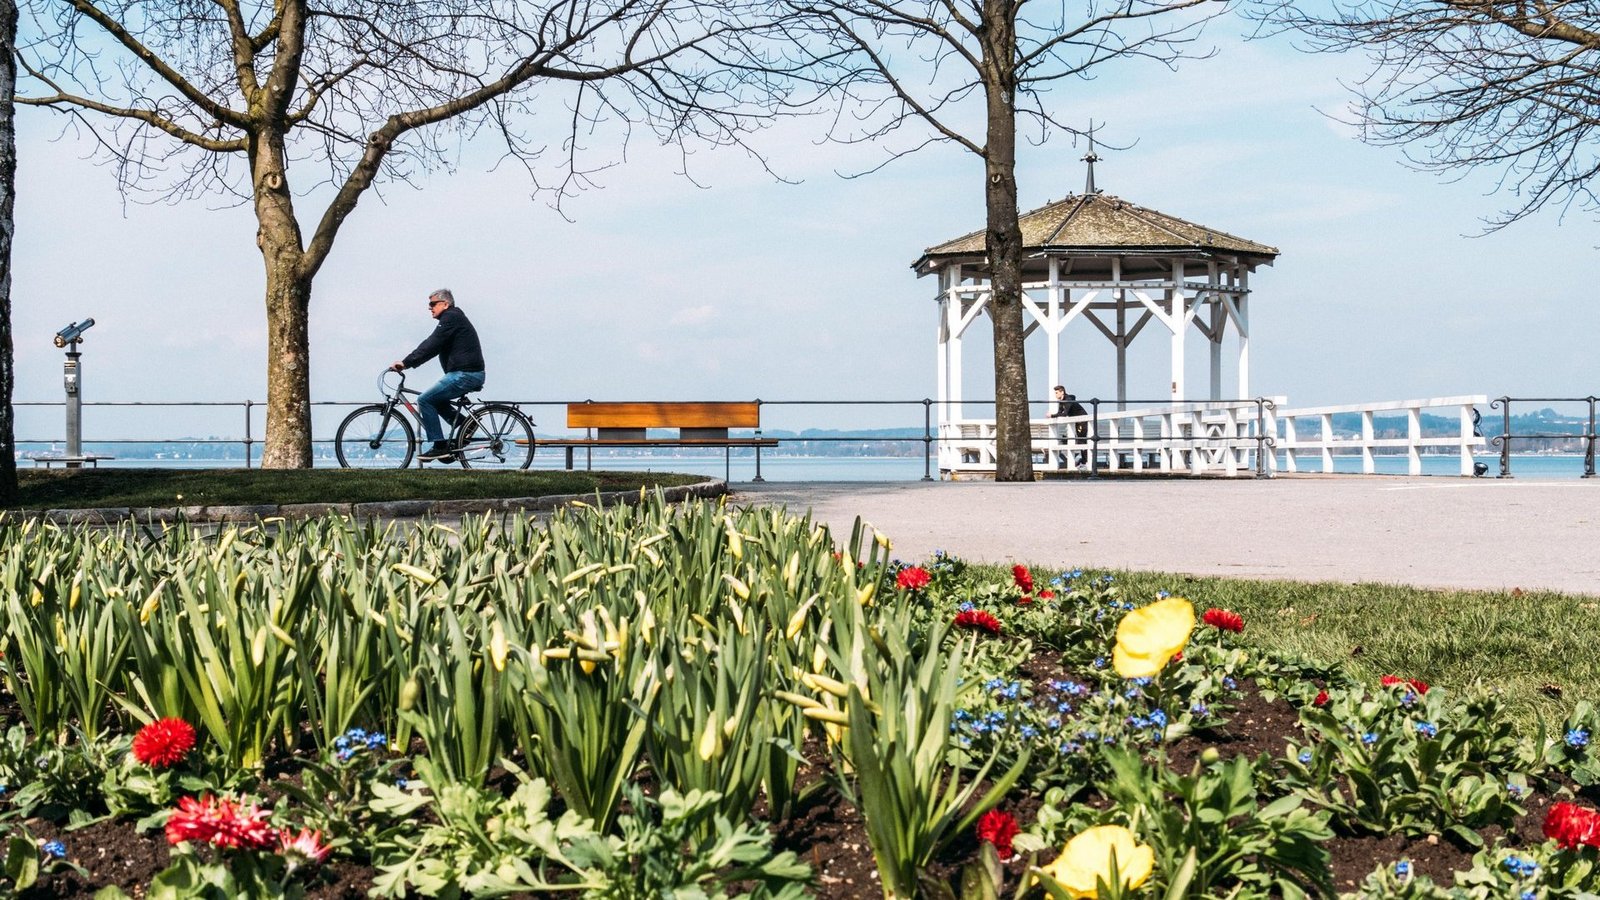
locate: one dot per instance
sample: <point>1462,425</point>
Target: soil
<point>831,836</point>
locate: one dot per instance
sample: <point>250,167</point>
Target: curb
<point>391,509</point>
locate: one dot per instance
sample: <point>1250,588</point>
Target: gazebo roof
<point>1098,224</point>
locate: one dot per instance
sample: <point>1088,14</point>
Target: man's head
<point>1061,392</point>
<point>439,301</point>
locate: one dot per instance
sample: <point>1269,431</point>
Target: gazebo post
<point>1053,313</point>
<point>1177,310</point>
<point>1241,305</point>
<point>1121,296</point>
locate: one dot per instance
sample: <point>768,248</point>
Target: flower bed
<point>644,700</point>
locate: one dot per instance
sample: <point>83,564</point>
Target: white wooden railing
<point>1328,445</point>
<point>1196,438</point>
<point>1215,438</point>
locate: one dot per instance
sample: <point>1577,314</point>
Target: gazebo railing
<point>1196,437</point>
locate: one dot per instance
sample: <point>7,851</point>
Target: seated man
<point>1067,406</point>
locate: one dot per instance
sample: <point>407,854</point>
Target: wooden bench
<point>698,424</point>
<point>71,462</point>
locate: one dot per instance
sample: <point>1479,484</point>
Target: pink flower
<point>912,578</point>
<point>1023,578</point>
<point>306,846</point>
<point>163,743</point>
<point>220,823</point>
<point>978,620</point>
<point>998,828</point>
<point>1224,620</point>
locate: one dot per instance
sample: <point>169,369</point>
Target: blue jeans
<point>435,401</point>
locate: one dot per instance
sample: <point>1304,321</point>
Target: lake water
<point>900,468</point>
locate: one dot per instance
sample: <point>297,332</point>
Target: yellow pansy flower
<point>1148,638</point>
<point>1087,859</point>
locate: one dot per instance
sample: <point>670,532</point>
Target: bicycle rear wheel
<point>370,438</point>
<point>496,436</point>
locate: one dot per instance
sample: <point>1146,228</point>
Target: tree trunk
<point>288,444</point>
<point>8,183</point>
<point>1013,436</point>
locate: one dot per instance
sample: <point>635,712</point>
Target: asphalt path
<point>1490,534</point>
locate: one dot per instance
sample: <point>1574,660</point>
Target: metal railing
<point>1195,437</point>
<point>1506,436</point>
<point>1106,437</point>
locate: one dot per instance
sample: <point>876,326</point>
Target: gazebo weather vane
<point>1091,158</point>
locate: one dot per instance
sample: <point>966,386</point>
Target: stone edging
<point>393,509</point>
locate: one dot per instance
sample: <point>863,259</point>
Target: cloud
<point>694,315</point>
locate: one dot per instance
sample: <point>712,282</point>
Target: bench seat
<point>699,425</point>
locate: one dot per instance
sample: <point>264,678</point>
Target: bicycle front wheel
<point>496,436</point>
<point>374,438</point>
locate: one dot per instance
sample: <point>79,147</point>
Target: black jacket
<point>454,341</point>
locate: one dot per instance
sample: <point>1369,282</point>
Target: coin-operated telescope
<point>73,333</point>
<point>69,338</point>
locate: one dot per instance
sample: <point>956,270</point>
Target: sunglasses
<point>433,303</point>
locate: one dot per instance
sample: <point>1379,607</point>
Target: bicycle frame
<point>465,409</point>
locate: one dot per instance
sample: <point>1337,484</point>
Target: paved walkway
<point>1431,532</point>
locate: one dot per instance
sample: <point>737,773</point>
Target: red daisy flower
<point>1024,600</point>
<point>1224,620</point>
<point>978,620</point>
<point>1416,684</point>
<point>912,578</point>
<point>998,828</point>
<point>1047,594</point>
<point>1321,699</point>
<point>1023,578</point>
<point>163,743</point>
<point>1572,826</point>
<point>221,823</point>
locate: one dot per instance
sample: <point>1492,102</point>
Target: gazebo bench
<point>698,424</point>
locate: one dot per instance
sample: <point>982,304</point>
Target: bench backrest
<point>664,415</point>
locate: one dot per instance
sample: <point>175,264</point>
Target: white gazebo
<point>1112,266</point>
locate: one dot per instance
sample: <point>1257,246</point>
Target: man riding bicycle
<point>455,342</point>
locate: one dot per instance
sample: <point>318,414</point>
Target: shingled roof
<point>1105,224</point>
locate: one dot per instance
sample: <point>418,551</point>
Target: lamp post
<point>70,337</point>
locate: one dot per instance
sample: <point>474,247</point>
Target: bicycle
<point>487,434</point>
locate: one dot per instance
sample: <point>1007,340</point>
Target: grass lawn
<point>85,488</point>
<point>1539,647</point>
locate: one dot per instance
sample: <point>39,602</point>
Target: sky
<point>742,286</point>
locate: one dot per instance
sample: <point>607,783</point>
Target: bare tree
<point>964,72</point>
<point>1512,87</point>
<point>230,94</point>
<point>8,185</point>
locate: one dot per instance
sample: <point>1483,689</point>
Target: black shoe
<point>439,450</point>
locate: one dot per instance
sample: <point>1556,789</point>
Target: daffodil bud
<point>798,620</point>
<point>823,714</point>
<point>258,647</point>
<point>415,573</point>
<point>498,646</point>
<point>881,539</point>
<point>77,591</point>
<point>864,596</point>
<point>408,694</point>
<point>711,741</point>
<point>791,571</point>
<point>735,541</point>
<point>800,700</point>
<point>740,589</point>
